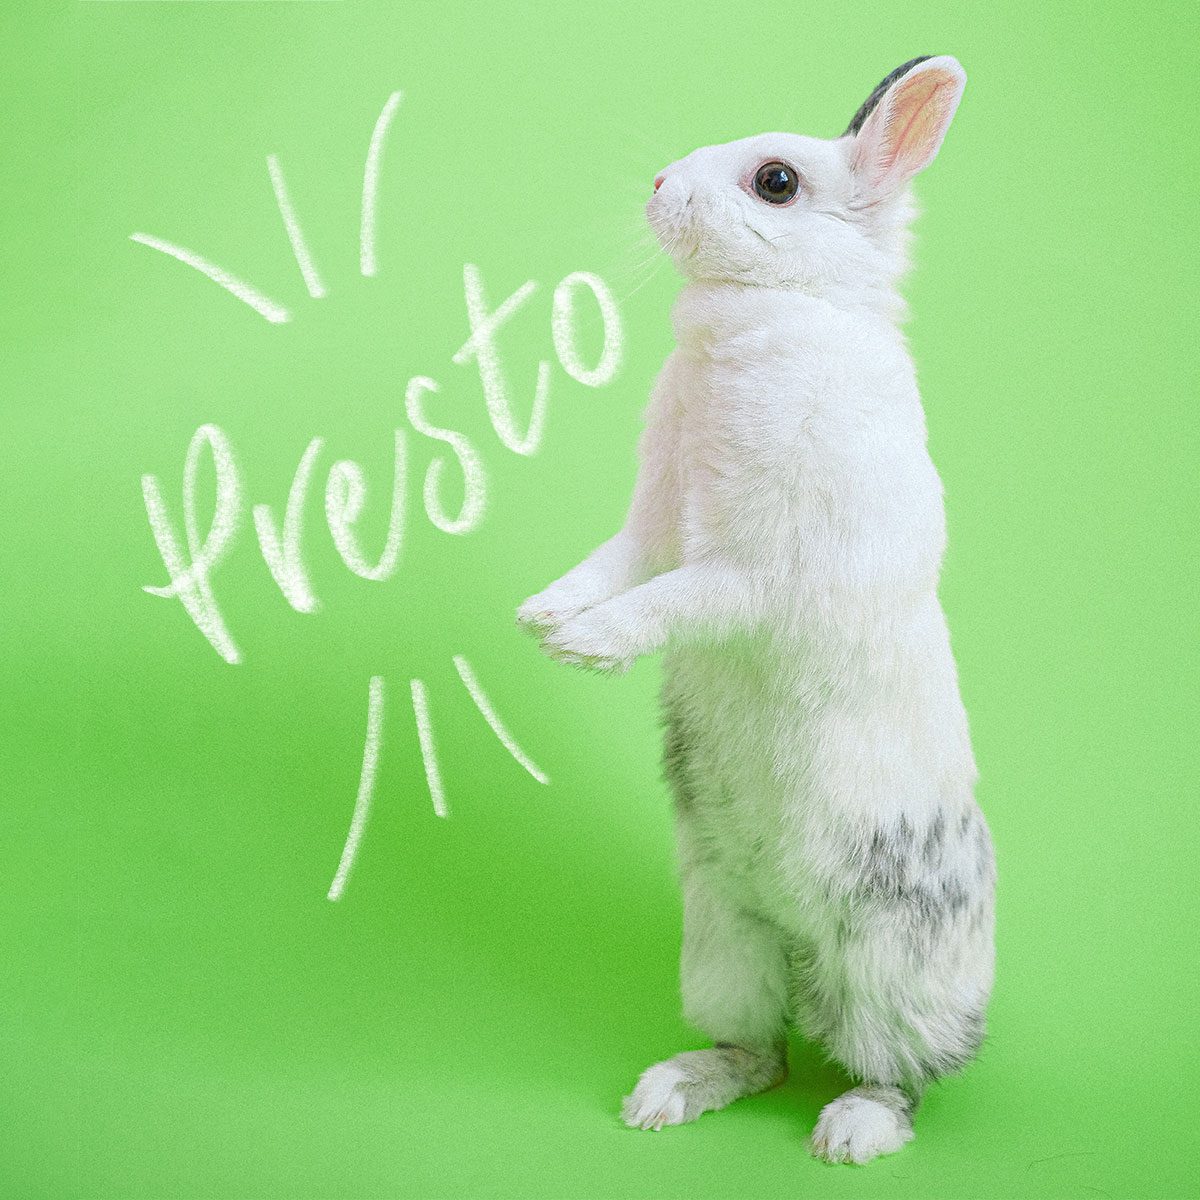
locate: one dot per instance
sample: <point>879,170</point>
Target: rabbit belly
<point>789,750</point>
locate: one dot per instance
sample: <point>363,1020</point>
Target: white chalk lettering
<point>471,465</point>
<point>481,346</point>
<point>345,495</point>
<point>282,551</point>
<point>562,329</point>
<point>189,574</point>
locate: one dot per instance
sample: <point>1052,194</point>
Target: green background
<point>185,1012</point>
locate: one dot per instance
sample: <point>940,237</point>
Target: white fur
<point>783,547</point>
<point>658,1099</point>
<point>861,1125</point>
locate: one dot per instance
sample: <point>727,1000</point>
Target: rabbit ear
<point>898,130</point>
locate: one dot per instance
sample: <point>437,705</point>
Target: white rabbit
<point>783,546</point>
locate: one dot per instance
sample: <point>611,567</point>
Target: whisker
<point>629,295</point>
<point>649,259</point>
<point>655,262</point>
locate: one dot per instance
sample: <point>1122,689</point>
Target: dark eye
<point>776,182</point>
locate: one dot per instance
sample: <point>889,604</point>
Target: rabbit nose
<point>658,181</point>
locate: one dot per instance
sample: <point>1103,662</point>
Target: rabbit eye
<point>776,182</point>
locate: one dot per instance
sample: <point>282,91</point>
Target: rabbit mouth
<point>676,227</point>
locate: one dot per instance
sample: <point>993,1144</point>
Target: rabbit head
<point>786,211</point>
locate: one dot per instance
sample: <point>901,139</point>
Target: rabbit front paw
<point>548,609</point>
<point>594,640</point>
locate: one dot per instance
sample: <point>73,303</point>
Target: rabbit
<point>782,547</point>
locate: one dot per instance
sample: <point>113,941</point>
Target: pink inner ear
<point>912,127</point>
<point>916,128</point>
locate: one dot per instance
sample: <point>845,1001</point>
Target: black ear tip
<point>869,104</point>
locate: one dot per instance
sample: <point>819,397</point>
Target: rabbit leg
<point>898,999</point>
<point>679,1089</point>
<point>734,982</point>
<point>851,1004</point>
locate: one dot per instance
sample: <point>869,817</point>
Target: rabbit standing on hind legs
<point>783,547</point>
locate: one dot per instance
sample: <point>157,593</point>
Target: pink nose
<point>658,181</point>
